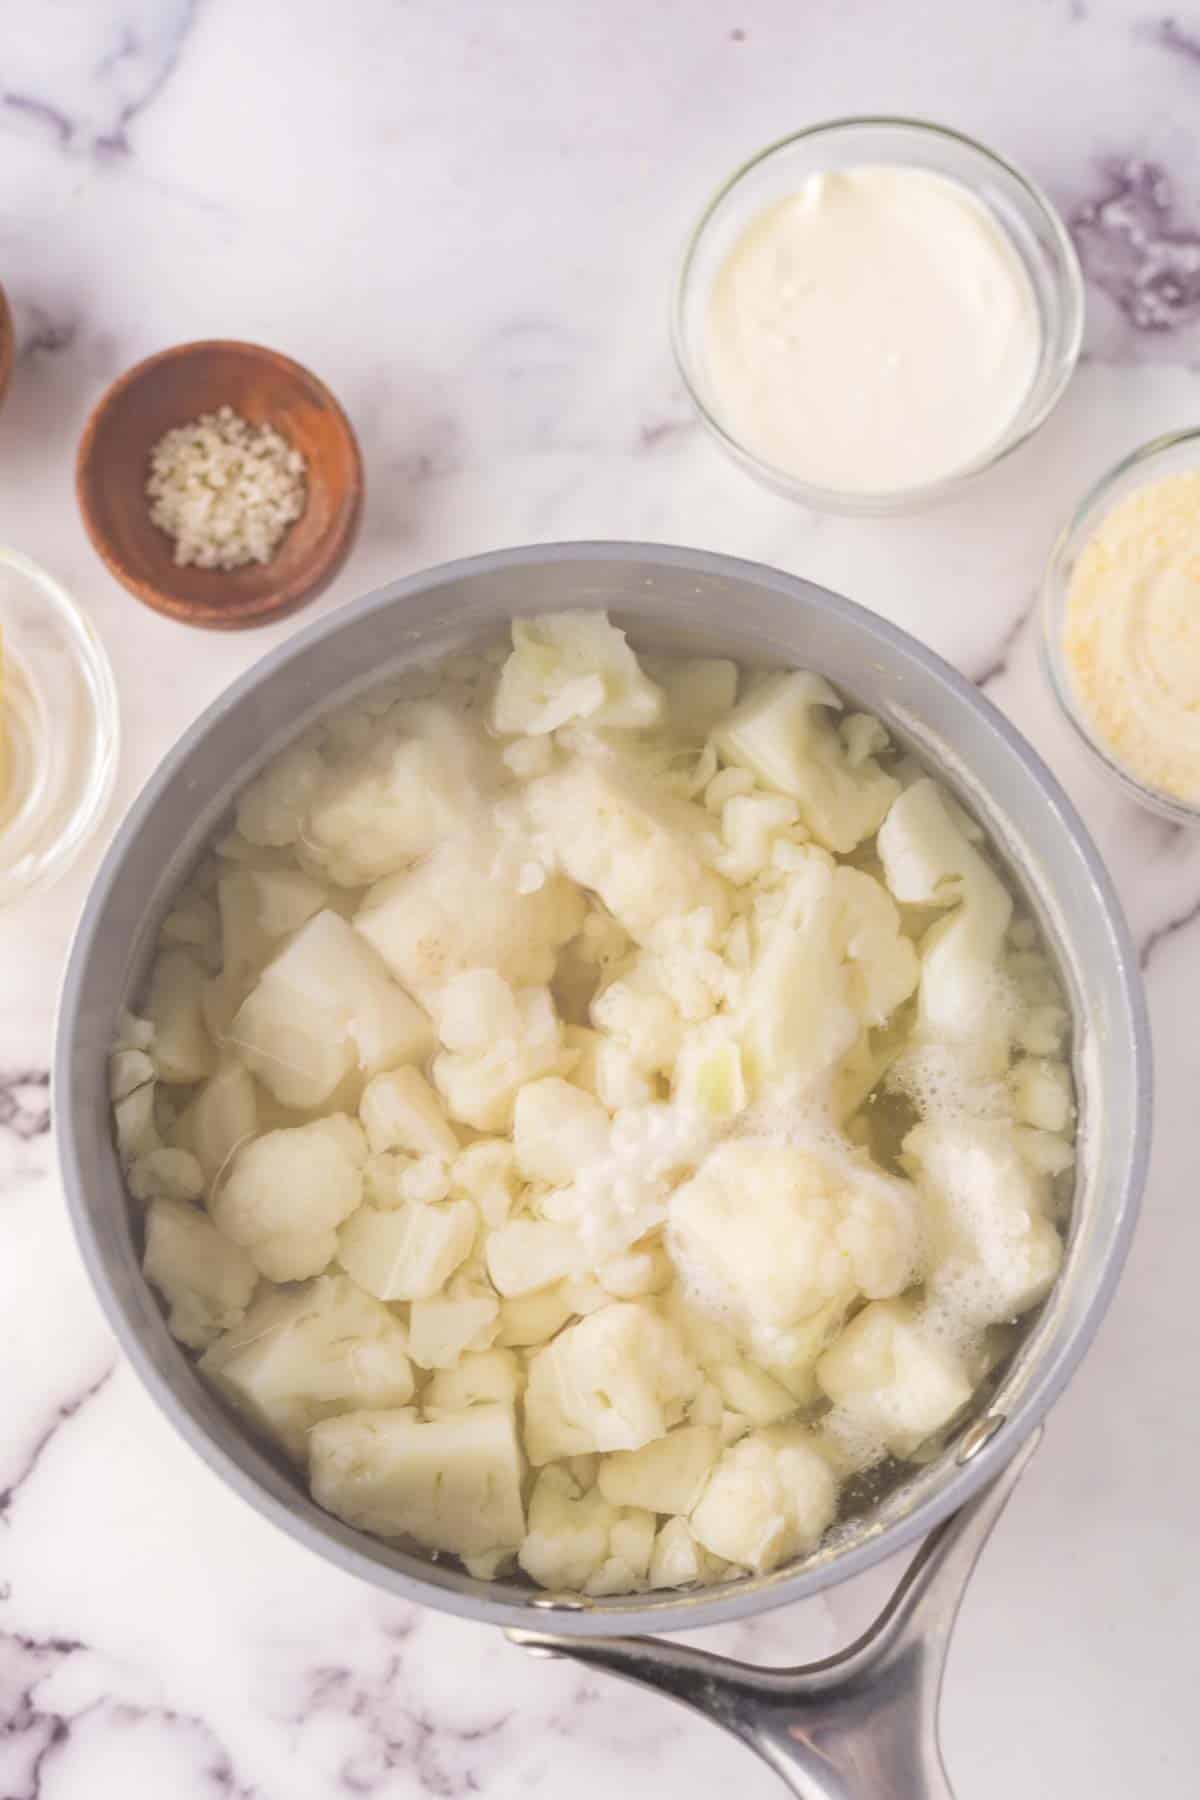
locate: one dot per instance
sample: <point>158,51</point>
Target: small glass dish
<point>1176,453</point>
<point>59,728</point>
<point>1022,211</point>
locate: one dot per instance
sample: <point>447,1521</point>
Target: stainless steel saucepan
<point>862,1724</point>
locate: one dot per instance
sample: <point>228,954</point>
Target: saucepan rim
<point>1048,1373</point>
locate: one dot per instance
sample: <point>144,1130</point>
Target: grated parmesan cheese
<point>224,490</point>
<point>1132,639</point>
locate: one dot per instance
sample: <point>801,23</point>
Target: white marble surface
<point>465,218</point>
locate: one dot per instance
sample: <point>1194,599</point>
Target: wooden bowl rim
<point>253,609</point>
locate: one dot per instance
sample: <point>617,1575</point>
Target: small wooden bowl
<point>7,345</point>
<point>171,389</point>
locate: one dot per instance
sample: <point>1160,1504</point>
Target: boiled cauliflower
<point>288,1191</point>
<point>618,835</point>
<point>770,1498</point>
<point>587,1108</point>
<point>579,1542</point>
<point>450,1484</point>
<point>767,1235</point>
<point>615,1381</point>
<point>461,909</point>
<point>301,1354</point>
<point>965,998</point>
<point>573,665</point>
<point>831,964</point>
<point>785,733</point>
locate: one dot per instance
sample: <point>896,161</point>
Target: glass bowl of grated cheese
<point>1121,624</point>
<point>59,728</point>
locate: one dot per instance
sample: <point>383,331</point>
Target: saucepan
<point>859,1724</point>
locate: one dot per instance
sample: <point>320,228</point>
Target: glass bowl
<point>59,729</point>
<point>1177,453</point>
<point>1023,212</point>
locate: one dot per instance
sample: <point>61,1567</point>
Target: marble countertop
<point>465,219</point>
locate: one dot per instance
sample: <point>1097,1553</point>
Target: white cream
<point>875,331</point>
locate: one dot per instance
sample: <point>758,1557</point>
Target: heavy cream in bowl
<point>874,310</point>
<point>874,331</point>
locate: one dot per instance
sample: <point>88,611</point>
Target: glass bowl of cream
<point>1121,624</point>
<point>874,310</point>
<point>59,728</point>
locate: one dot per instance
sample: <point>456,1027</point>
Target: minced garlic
<point>225,490</point>
<point>1132,635</point>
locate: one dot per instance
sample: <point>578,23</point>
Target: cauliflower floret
<point>578,1542</point>
<point>993,1252</point>
<point>1041,1093</point>
<point>769,1234</point>
<point>475,1009</point>
<point>222,1117</point>
<point>893,1377</point>
<point>643,1020</point>
<point>479,1375</point>
<point>442,1329</point>
<point>452,1483</point>
<point>128,1070</point>
<point>965,998</point>
<point>181,1047</point>
<point>285,900</point>
<point>615,832</point>
<point>557,1130</point>
<point>608,1069</point>
<point>644,1269</point>
<point>272,810</point>
<point>300,1355</point>
<point>665,1476</point>
<point>400,1111</point>
<point>135,1125</point>
<point>288,1191</point>
<point>206,1281</point>
<point>408,1253</point>
<point>480,1088</point>
<point>528,1254</point>
<point>392,802</point>
<point>784,733</point>
<point>771,1497</point>
<point>831,963</point>
<point>572,665</point>
<point>709,1076</point>
<point>461,908</point>
<point>699,693</point>
<point>485,1172</point>
<point>679,1561</point>
<point>750,823</point>
<point>531,1319</point>
<point>167,1175</point>
<point>614,1381</point>
<point>325,1003</point>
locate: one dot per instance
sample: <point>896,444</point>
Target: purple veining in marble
<point>443,1757</point>
<point>1168,929</point>
<point>109,71</point>
<point>1173,36</point>
<point>656,432</point>
<point>25,1102</point>
<point>1135,249</point>
<point>33,1733</point>
<point>997,664</point>
<point>142,68</point>
<point>64,1412</point>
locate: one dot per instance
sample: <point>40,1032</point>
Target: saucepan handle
<point>861,1725</point>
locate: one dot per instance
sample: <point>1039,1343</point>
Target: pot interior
<point>667,599</point>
